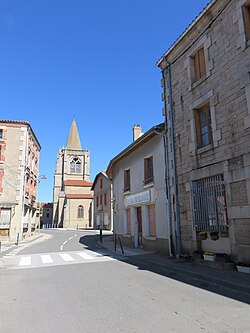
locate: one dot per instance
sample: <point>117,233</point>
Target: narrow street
<point>66,283</point>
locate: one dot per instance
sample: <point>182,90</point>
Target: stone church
<point>72,198</point>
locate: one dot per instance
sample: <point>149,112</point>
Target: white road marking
<point>64,242</point>
<point>61,248</point>
<point>66,257</point>
<point>46,259</point>
<point>10,254</point>
<point>25,261</point>
<point>84,255</point>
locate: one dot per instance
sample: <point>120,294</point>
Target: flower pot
<point>243,269</point>
<point>209,258</point>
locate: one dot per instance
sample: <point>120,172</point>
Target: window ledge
<point>126,192</point>
<point>151,184</point>
<point>196,83</point>
<point>204,149</point>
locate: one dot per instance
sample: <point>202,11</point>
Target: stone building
<point>72,198</point>
<point>206,94</point>
<point>139,193</point>
<point>45,210</point>
<point>102,208</point>
<point>19,163</point>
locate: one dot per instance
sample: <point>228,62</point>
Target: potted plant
<point>209,256</point>
<point>214,236</point>
<point>243,268</point>
<point>202,235</point>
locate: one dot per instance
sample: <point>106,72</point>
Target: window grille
<point>209,204</point>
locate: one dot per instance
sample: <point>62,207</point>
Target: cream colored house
<point>103,214</point>
<point>72,203</point>
<point>19,162</point>
<point>139,192</point>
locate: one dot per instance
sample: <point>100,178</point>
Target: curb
<point>204,278</point>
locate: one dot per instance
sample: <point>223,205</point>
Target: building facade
<point>19,164</point>
<point>206,94</point>
<point>139,192</point>
<point>102,207</point>
<point>72,203</point>
<point>45,210</point>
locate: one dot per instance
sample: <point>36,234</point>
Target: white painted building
<point>139,191</point>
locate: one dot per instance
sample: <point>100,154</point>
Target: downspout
<point>171,123</point>
<point>167,183</point>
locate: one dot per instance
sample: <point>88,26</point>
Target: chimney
<point>137,131</point>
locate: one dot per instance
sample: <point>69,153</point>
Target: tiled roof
<point>76,182</point>
<point>79,196</point>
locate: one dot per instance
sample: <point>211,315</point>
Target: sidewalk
<point>7,245</point>
<point>230,279</point>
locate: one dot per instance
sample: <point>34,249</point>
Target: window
<point>199,64</point>
<point>148,170</point>
<point>97,201</point>
<point>246,19</point>
<point>5,217</point>
<point>203,126</point>
<point>1,134</point>
<point>80,212</point>
<point>75,166</point>
<point>101,183</point>
<point>47,214</point>
<point>209,204</point>
<point>126,180</point>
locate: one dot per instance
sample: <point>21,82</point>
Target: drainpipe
<point>167,184</point>
<point>171,123</point>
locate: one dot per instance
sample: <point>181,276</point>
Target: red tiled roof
<point>79,196</point>
<point>76,182</point>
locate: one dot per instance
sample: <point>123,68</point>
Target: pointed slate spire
<point>73,142</point>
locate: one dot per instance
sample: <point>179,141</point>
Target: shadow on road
<point>159,265</point>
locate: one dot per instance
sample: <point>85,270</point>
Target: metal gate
<point>209,204</point>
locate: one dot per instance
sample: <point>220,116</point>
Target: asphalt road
<point>67,284</point>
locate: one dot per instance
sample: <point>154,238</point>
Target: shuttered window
<point>246,19</point>
<point>148,170</point>
<point>199,64</point>
<point>126,180</point>
<point>203,126</point>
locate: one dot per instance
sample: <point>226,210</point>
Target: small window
<point>199,64</point>
<point>148,170</point>
<point>75,166</point>
<point>203,126</point>
<point>126,180</point>
<point>47,215</point>
<point>1,134</point>
<point>246,19</point>
<point>101,183</point>
<point>97,201</point>
<point>80,212</point>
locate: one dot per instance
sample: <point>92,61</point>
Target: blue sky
<point>89,60</point>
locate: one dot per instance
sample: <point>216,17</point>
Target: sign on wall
<point>137,198</point>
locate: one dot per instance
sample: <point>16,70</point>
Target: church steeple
<point>74,142</point>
